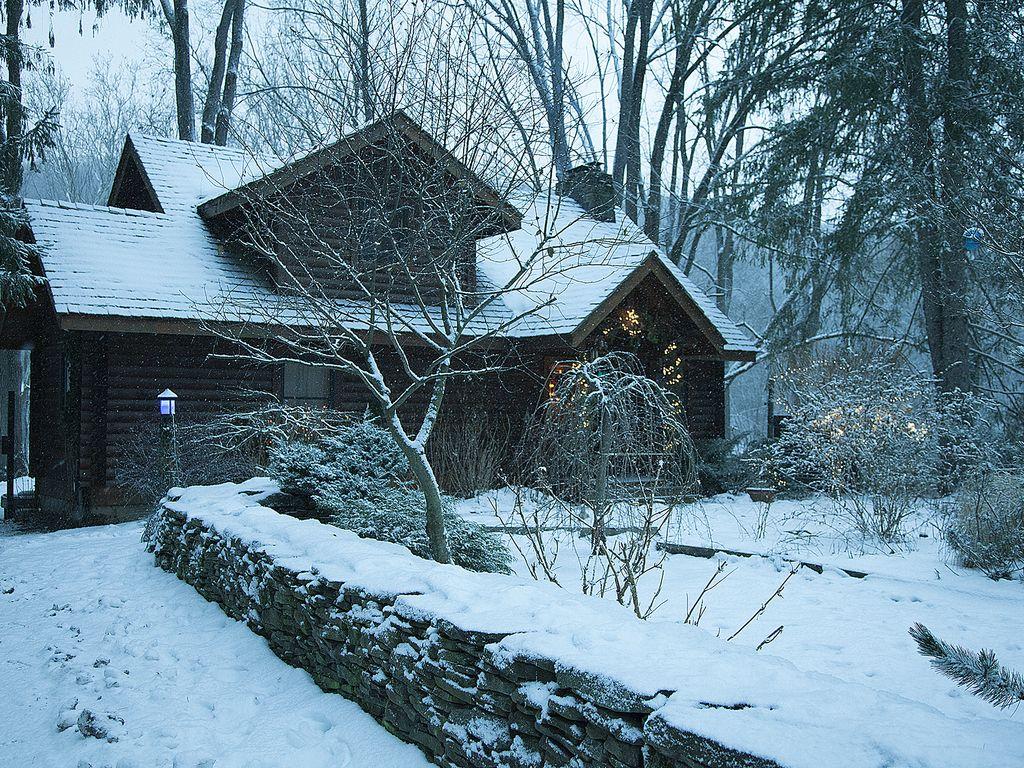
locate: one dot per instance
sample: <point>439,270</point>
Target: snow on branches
<point>979,672</point>
<point>875,436</point>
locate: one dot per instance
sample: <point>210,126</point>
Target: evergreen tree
<point>980,672</point>
<point>21,142</point>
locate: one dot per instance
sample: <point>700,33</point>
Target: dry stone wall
<point>458,694</point>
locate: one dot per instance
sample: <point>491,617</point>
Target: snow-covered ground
<point>88,624</point>
<point>91,634</point>
<point>855,629</point>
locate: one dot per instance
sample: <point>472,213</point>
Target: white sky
<point>115,37</point>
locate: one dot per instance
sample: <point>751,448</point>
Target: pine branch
<point>981,673</point>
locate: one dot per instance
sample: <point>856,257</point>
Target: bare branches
<point>764,606</point>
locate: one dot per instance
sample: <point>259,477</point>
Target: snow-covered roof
<point>105,261</point>
<point>128,263</point>
<point>118,262</point>
<point>185,173</point>
<point>578,263</point>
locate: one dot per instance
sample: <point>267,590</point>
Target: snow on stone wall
<point>492,670</point>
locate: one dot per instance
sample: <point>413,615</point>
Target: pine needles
<point>981,673</point>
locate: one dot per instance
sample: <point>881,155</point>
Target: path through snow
<point>93,634</point>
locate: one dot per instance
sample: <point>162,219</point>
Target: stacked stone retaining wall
<point>452,692</point>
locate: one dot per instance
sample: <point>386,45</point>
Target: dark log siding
<point>91,391</point>
<point>704,398</point>
<point>121,375</point>
<point>135,368</point>
<point>363,210</point>
<point>53,428</point>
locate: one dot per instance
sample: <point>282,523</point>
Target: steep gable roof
<point>350,144</point>
<point>587,267</point>
<point>106,261</point>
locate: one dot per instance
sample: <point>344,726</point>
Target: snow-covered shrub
<point>357,478</point>
<point>468,450</point>
<point>155,457</point>
<point>875,436</point>
<point>721,467</point>
<point>357,460</point>
<point>399,516</point>
<point>985,527</point>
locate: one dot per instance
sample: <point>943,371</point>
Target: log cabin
<point>132,292</point>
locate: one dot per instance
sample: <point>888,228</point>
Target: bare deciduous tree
<point>374,259</point>
<point>222,82</point>
<point>610,434</point>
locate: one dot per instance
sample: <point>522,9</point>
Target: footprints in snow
<point>92,721</point>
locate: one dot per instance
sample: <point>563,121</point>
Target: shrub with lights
<point>874,436</point>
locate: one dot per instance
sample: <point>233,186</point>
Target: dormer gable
<point>386,205</point>
<point>132,188</point>
<point>385,132</point>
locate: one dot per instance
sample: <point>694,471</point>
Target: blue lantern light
<point>972,239</point>
<point>166,399</point>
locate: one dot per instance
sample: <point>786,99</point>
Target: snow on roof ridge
<point>79,206</point>
<point>184,143</point>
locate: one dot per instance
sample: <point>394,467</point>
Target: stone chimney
<point>592,188</point>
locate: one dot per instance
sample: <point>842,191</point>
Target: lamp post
<point>167,403</point>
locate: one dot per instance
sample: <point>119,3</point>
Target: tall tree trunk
<point>227,103</point>
<point>957,372</point>
<point>215,88</point>
<point>551,43</point>
<point>12,151</point>
<point>184,104</point>
<point>920,149</point>
<point>727,255</point>
<point>626,168</point>
<point>673,103</point>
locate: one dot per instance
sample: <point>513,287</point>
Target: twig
<point>711,584</point>
<point>772,635</point>
<point>765,604</point>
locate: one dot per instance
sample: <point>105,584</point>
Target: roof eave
<point>739,355</point>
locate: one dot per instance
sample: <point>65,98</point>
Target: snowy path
<point>92,625</point>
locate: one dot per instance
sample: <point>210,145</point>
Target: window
<point>306,385</point>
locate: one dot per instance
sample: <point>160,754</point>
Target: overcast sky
<point>115,38</point>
